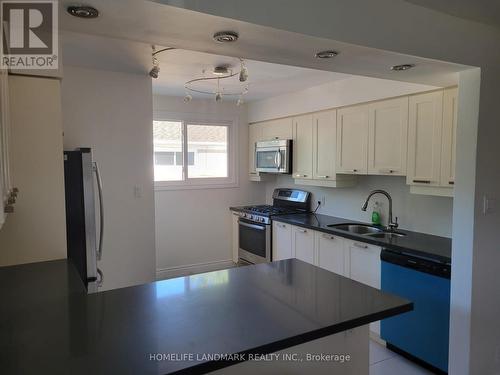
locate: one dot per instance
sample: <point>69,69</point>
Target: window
<point>188,153</point>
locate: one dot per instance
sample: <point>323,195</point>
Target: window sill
<point>229,185</point>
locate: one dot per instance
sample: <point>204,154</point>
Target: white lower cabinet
<point>365,267</point>
<point>356,260</point>
<point>282,241</point>
<point>331,253</point>
<point>303,244</point>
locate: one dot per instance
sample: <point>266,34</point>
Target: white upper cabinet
<point>425,139</point>
<point>282,241</point>
<point>332,254</point>
<point>388,137</point>
<point>277,129</point>
<point>303,244</point>
<point>254,135</point>
<point>450,110</point>
<point>352,139</point>
<point>324,145</point>
<point>302,147</point>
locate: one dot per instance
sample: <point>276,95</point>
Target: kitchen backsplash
<point>420,213</point>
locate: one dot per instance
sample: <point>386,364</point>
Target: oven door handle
<point>253,226</point>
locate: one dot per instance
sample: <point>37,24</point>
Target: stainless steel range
<point>255,223</point>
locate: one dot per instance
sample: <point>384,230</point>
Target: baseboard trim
<point>192,269</point>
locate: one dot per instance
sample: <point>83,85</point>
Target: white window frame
<point>232,158</point>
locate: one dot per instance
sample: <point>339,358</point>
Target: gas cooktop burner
<point>268,210</point>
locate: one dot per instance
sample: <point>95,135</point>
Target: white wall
<point>36,231</point>
<point>348,91</point>
<point>402,27</point>
<point>193,227</point>
<point>420,213</point>
<point>112,113</point>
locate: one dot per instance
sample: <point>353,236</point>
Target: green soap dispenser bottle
<point>376,214</point>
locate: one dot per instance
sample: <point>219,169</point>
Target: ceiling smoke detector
<point>402,67</point>
<point>83,11</point>
<point>226,36</point>
<point>326,54</point>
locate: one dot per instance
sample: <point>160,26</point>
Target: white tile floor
<point>385,362</point>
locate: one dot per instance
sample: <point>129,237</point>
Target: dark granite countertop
<point>48,325</point>
<point>414,243</point>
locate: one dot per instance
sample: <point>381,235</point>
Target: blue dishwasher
<point>422,334</point>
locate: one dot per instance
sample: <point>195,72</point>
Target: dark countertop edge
<point>206,367</point>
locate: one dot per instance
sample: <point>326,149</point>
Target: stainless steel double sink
<point>366,230</point>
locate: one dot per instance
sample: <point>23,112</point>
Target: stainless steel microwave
<point>274,156</point>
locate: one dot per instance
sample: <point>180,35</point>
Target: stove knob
<point>262,219</point>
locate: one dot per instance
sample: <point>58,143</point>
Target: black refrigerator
<point>84,215</point>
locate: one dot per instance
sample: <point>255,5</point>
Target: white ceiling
<point>178,66</point>
<point>484,11</point>
<point>265,79</point>
<point>152,23</point>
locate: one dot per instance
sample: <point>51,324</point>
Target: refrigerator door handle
<point>101,212</point>
<point>100,278</point>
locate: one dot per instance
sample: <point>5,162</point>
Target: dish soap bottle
<point>376,214</point>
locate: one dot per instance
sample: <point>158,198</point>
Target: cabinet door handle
<point>451,182</point>
<point>328,237</point>
<point>323,176</point>
<point>422,181</point>
<point>300,175</point>
<point>386,171</point>
<point>302,230</point>
<point>360,245</point>
<point>283,225</point>
<point>354,170</point>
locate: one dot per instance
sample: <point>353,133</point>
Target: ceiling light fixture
<point>402,67</point>
<point>155,70</point>
<point>328,54</point>
<point>83,11</point>
<point>221,73</point>
<point>226,36</point>
<point>243,71</point>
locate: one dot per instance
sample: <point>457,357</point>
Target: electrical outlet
<point>137,192</point>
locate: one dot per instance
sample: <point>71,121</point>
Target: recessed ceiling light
<point>326,54</point>
<point>226,36</point>
<point>402,67</point>
<point>83,11</point>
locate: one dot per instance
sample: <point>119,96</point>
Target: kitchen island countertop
<point>49,325</point>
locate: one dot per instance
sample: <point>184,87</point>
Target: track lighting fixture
<point>221,73</point>
<point>243,71</point>
<point>187,98</point>
<point>155,70</point>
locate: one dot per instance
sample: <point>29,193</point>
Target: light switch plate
<point>489,205</point>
